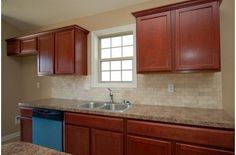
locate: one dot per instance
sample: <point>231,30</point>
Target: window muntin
<point>116,58</point>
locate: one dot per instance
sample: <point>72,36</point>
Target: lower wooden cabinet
<point>184,149</point>
<point>26,125</point>
<point>146,146</point>
<point>106,142</point>
<point>76,140</point>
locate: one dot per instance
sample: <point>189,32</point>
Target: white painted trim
<point>10,136</point>
<point>94,56</point>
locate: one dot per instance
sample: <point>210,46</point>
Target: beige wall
<point>227,54</point>
<point>10,83</point>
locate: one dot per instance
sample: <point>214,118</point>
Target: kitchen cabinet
<point>13,47</point>
<point>106,142</point>
<point>154,42</point>
<point>64,54</point>
<point>171,135</point>
<point>183,149</point>
<point>143,146</point>
<point>60,51</point>
<point>102,135</point>
<point>26,125</point>
<point>46,54</point>
<point>28,45</point>
<point>77,140</point>
<point>181,37</point>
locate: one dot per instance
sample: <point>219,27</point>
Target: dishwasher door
<point>48,128</point>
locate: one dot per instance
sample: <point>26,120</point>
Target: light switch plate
<point>171,88</point>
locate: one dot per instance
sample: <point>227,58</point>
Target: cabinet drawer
<point>28,45</point>
<point>93,121</point>
<point>26,112</point>
<point>184,149</point>
<point>203,136</point>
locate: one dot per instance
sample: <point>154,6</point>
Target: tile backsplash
<point>200,90</point>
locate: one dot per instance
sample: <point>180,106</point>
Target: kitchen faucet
<point>111,95</point>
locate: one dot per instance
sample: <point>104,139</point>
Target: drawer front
<point>26,112</point>
<point>147,146</point>
<point>28,45</point>
<point>203,136</point>
<point>184,149</point>
<point>107,123</point>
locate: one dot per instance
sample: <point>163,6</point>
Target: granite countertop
<point>23,148</point>
<point>168,114</point>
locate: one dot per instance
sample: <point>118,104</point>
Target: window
<point>113,57</point>
<point>116,58</point>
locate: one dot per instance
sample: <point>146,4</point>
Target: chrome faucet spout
<point>111,95</point>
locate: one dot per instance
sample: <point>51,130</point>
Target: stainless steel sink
<point>116,107</point>
<point>92,105</point>
<point>105,106</point>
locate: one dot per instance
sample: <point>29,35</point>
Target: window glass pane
<point>128,51</point>
<point>105,43</point>
<point>105,76</point>
<point>127,76</point>
<point>128,40</point>
<point>127,64</point>
<point>105,65</point>
<point>105,53</point>
<point>115,75</point>
<point>115,65</point>
<point>116,41</point>
<point>116,52</point>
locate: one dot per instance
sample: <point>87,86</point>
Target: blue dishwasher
<point>48,128</point>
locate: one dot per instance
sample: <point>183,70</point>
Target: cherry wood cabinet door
<point>146,146</point>
<point>26,129</point>
<point>28,45</point>
<point>184,149</point>
<point>106,142</point>
<point>13,47</point>
<point>197,44</point>
<point>154,42</point>
<point>65,52</point>
<point>46,54</point>
<point>76,140</point>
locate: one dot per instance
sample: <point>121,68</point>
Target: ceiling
<point>31,14</point>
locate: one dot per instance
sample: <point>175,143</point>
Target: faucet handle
<point>126,102</point>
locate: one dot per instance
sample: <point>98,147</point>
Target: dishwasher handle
<point>48,114</point>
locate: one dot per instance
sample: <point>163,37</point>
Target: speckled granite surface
<point>168,114</point>
<point>23,148</point>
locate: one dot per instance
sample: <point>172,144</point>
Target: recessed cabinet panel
<point>46,54</point>
<point>13,47</point>
<point>65,52</point>
<point>154,42</point>
<point>76,140</point>
<point>146,146</point>
<point>106,142</point>
<point>26,129</point>
<point>197,37</point>
<point>184,149</point>
<point>28,45</point>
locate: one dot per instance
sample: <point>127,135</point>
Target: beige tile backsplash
<point>201,90</point>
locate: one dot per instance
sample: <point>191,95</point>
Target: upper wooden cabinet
<point>60,51</point>
<point>65,51</point>
<point>179,37</point>
<point>13,47</point>
<point>154,42</point>
<point>46,54</point>
<point>28,45</point>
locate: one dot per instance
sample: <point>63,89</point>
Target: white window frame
<point>95,79</point>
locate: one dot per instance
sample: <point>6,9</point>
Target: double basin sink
<point>105,106</point>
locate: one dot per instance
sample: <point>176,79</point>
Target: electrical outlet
<point>17,119</point>
<point>171,88</point>
<point>37,84</point>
